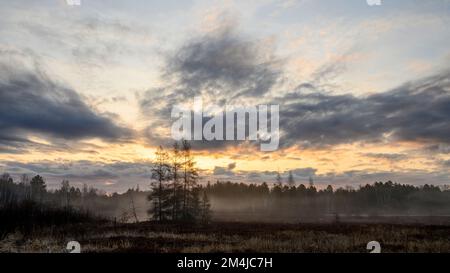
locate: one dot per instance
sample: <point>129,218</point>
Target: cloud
<point>225,171</point>
<point>446,163</point>
<point>221,66</point>
<point>90,41</point>
<point>417,111</point>
<point>386,156</point>
<point>10,144</point>
<point>30,102</point>
<point>222,171</point>
<point>122,174</point>
<point>224,61</point>
<point>303,172</point>
<point>349,178</point>
<point>437,149</point>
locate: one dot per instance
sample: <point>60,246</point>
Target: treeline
<point>284,201</point>
<point>175,194</point>
<point>27,206</point>
<point>35,190</point>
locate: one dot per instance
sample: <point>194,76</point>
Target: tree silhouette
<point>160,192</point>
<point>190,177</point>
<point>175,194</point>
<point>291,180</point>
<point>177,189</point>
<point>65,191</point>
<point>38,188</point>
<point>279,179</point>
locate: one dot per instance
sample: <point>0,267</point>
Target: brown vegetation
<point>235,237</point>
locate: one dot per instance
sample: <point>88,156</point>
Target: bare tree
<point>133,208</point>
<point>279,179</point>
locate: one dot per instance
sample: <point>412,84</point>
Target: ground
<point>233,237</point>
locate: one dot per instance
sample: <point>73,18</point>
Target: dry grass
<point>235,237</point>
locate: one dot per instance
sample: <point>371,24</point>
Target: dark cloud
<point>226,68</point>
<point>116,176</point>
<point>303,172</point>
<point>446,163</point>
<point>18,145</point>
<point>231,166</point>
<point>222,171</point>
<point>224,61</point>
<point>221,65</point>
<point>418,111</point>
<point>390,157</point>
<point>32,103</point>
<point>82,169</point>
<point>437,149</point>
<point>11,144</point>
<point>270,176</point>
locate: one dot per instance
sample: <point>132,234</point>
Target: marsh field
<point>228,218</point>
<point>234,237</point>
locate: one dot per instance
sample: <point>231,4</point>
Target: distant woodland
<point>175,195</point>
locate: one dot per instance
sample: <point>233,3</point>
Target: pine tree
<point>38,188</point>
<point>279,179</point>
<point>190,177</point>
<point>25,184</point>
<point>175,194</point>
<point>160,193</point>
<point>176,187</point>
<point>65,192</point>
<point>84,195</point>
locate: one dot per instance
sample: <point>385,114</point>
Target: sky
<point>364,91</point>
